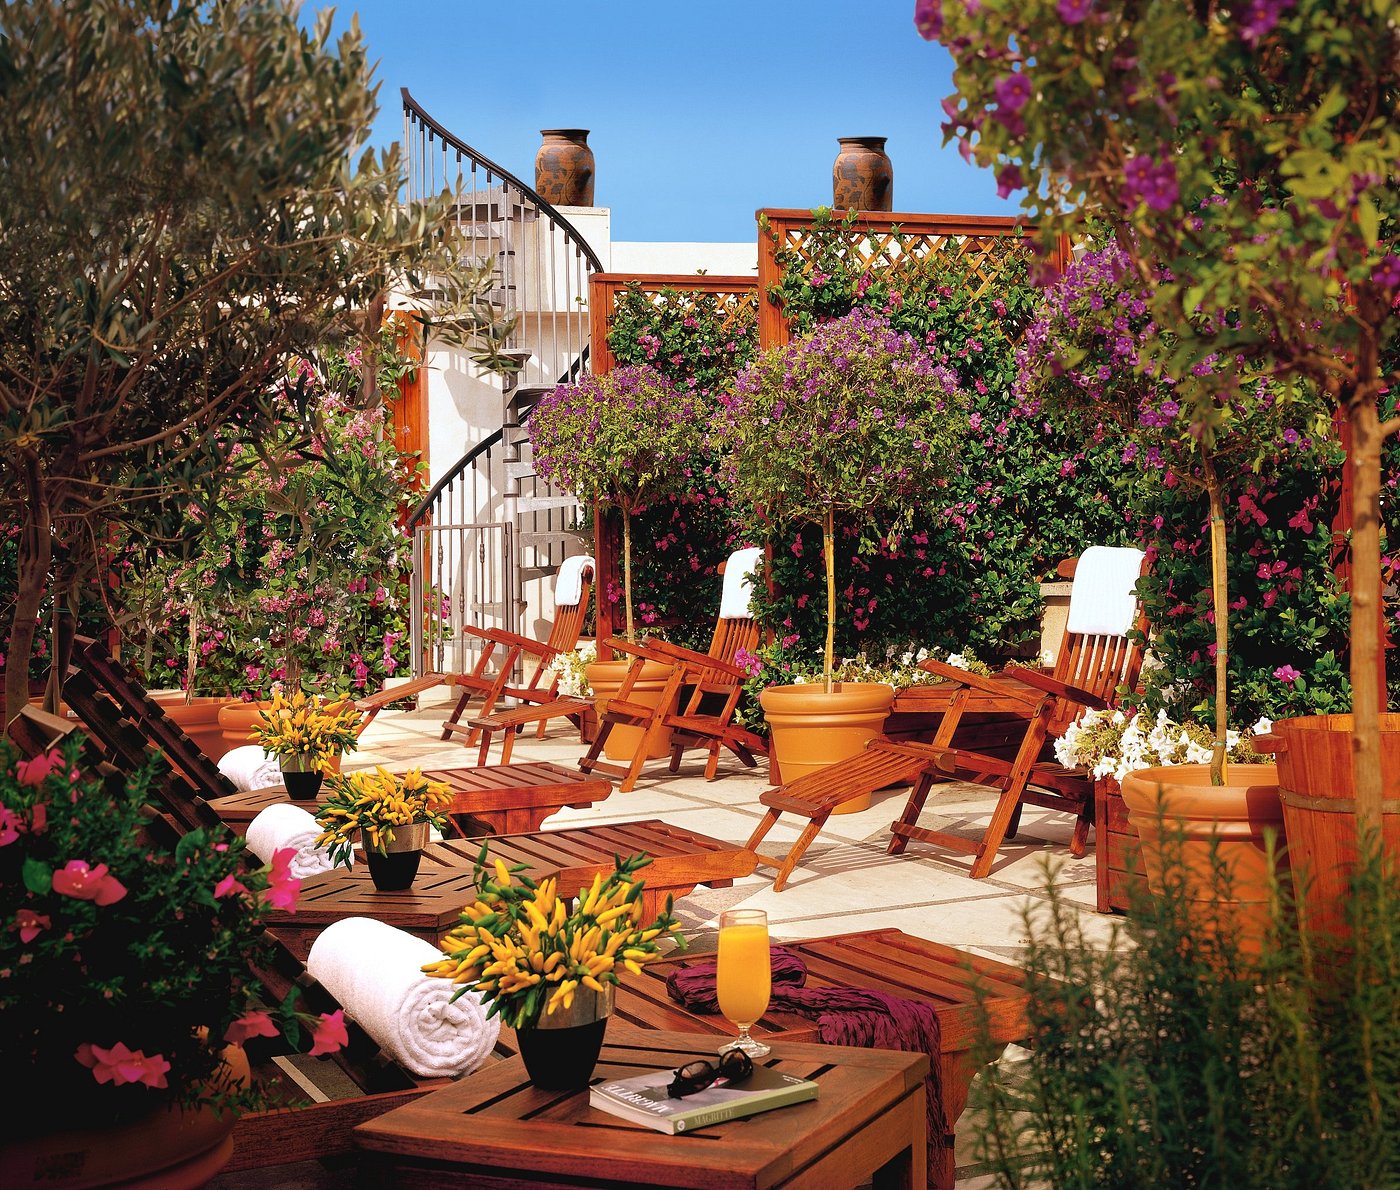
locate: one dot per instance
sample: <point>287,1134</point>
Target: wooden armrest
<point>639,649</point>
<point>1043,681</point>
<point>1000,689</point>
<point>375,702</point>
<point>679,652</point>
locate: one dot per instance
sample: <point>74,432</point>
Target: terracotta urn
<point>809,728</point>
<point>198,718</point>
<point>564,168</point>
<point>1233,819</point>
<point>862,177</point>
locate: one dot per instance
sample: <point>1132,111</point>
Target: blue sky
<point>698,113</point>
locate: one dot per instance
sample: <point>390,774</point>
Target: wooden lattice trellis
<point>896,245</point>
<point>736,303</point>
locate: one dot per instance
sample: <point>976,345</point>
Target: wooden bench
<point>885,960</point>
<point>433,905</point>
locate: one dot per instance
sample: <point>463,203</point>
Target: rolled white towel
<point>284,825</point>
<point>249,767</point>
<point>374,970</point>
<point>738,584</point>
<point>568,583</point>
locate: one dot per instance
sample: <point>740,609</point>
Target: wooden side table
<point>496,1130</point>
<point>888,961</point>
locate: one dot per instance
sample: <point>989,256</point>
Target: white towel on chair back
<point>284,825</point>
<point>373,969</point>
<point>1102,602</point>
<point>568,583</point>
<point>738,584</point>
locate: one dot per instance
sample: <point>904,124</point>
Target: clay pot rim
<point>1182,791</point>
<point>569,132</point>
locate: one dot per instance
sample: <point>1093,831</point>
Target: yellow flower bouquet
<point>377,804</point>
<point>304,729</point>
<point>527,950</point>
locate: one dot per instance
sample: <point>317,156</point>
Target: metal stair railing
<point>489,525</point>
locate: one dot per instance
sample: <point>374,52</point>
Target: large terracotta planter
<point>1319,808</point>
<point>198,719</point>
<point>1232,818</point>
<point>564,168</point>
<point>605,680</point>
<point>862,177</point>
<point>809,728</point>
<point>168,1150</point>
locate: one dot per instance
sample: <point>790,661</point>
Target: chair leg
<point>1015,824</point>
<point>1079,841</point>
<point>457,712</point>
<point>785,865</point>
<point>918,795</point>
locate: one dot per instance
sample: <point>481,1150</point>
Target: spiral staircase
<point>490,526</point>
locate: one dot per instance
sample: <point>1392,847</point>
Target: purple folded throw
<point>844,1016</point>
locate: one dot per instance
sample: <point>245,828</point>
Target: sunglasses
<point>734,1066</point>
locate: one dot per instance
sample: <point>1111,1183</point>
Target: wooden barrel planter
<point>1117,850</point>
<point>1319,808</point>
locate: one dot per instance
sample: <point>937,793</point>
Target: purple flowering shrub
<point>302,571</point>
<point>624,439</point>
<point>854,421</point>
<point>697,342</point>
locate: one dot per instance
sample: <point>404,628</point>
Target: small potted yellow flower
<point>392,812</point>
<point>547,965</point>
<point>307,735</point>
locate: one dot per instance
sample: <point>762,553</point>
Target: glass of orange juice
<point>743,975</point>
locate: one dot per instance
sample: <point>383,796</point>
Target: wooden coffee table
<point>888,961</point>
<point>491,800</point>
<point>496,1130</point>
<point>433,905</point>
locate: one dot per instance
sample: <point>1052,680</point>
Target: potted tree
<point>1094,349</point>
<point>1259,213</point>
<point>852,422</point>
<point>621,441</point>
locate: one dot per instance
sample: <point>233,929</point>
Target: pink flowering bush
<point>126,964</point>
<point>299,571</point>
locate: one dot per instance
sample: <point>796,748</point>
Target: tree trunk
<point>627,574</point>
<point>829,551</point>
<point>1367,696</point>
<point>32,574</point>
<point>1220,602</point>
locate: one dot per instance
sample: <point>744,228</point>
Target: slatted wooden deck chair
<point>996,731</point>
<point>490,680</point>
<point>699,698</point>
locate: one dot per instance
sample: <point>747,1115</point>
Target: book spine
<point>732,1111</point>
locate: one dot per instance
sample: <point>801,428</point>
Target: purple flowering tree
<point>623,439</point>
<point>1094,347</point>
<point>854,419</point>
<point>1244,153</point>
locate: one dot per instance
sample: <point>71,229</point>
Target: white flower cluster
<point>570,669</point>
<point>1111,744</point>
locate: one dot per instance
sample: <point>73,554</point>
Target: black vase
<point>393,871</point>
<point>561,1050</point>
<point>301,786</point>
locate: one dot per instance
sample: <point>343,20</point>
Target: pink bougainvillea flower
<point>76,879</point>
<point>229,886</point>
<point>928,19</point>
<point>33,772</point>
<point>1287,674</point>
<point>30,924</point>
<point>1013,91</point>
<point>1072,12</point>
<point>11,826</point>
<point>250,1024</point>
<point>1151,181</point>
<point>120,1065</point>
<point>1009,178</point>
<point>330,1034</point>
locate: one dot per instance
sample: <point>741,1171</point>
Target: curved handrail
<point>412,105</point>
<point>452,476</point>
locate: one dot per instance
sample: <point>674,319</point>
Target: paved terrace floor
<point>845,883</point>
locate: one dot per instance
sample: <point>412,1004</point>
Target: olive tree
<point>183,206</point>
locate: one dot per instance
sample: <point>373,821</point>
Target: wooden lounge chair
<point>996,731</point>
<point>699,698</point>
<point>508,650</point>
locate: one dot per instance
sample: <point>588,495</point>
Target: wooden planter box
<point>1115,842</point>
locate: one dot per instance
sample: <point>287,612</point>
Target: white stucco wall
<point>722,260</point>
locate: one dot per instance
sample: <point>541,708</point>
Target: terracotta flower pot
<point>564,168</point>
<point>605,680</point>
<point>862,177</point>
<point>1233,818</point>
<point>198,719</point>
<point>810,729</point>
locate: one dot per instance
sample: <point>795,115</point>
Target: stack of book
<point>643,1099</point>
